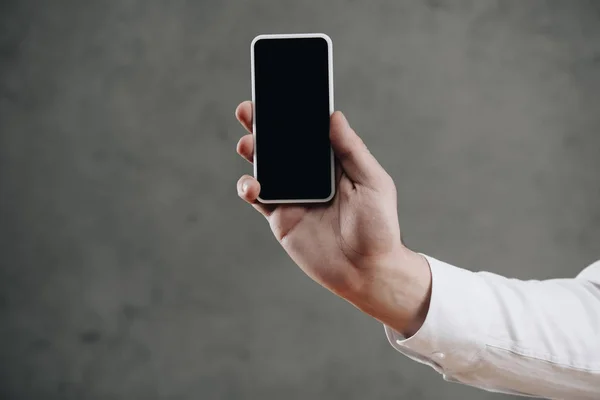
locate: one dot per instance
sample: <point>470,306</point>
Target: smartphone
<point>292,94</point>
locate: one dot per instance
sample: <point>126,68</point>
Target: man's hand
<point>350,245</point>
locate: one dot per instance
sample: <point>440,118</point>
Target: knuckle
<point>390,182</point>
<point>387,183</point>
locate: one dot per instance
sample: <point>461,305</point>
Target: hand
<point>352,244</point>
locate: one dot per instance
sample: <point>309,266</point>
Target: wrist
<point>397,292</point>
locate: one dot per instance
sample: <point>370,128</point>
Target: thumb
<point>356,160</point>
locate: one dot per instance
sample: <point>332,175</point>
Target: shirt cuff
<point>453,333</point>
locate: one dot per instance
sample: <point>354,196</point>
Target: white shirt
<point>534,338</point>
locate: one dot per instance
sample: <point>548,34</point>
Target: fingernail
<point>245,186</point>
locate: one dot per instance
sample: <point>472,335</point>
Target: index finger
<point>243,113</point>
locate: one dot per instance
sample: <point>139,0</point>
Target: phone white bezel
<point>331,107</point>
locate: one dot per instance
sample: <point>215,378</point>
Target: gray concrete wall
<point>131,270</point>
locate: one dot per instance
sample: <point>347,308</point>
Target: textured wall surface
<point>129,268</point>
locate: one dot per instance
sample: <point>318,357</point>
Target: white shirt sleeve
<point>534,338</point>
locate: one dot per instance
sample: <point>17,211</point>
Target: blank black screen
<point>291,90</point>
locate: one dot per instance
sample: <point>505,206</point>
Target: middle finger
<point>245,148</point>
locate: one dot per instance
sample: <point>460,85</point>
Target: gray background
<point>131,270</point>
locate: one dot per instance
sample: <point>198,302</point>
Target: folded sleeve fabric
<point>533,338</point>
